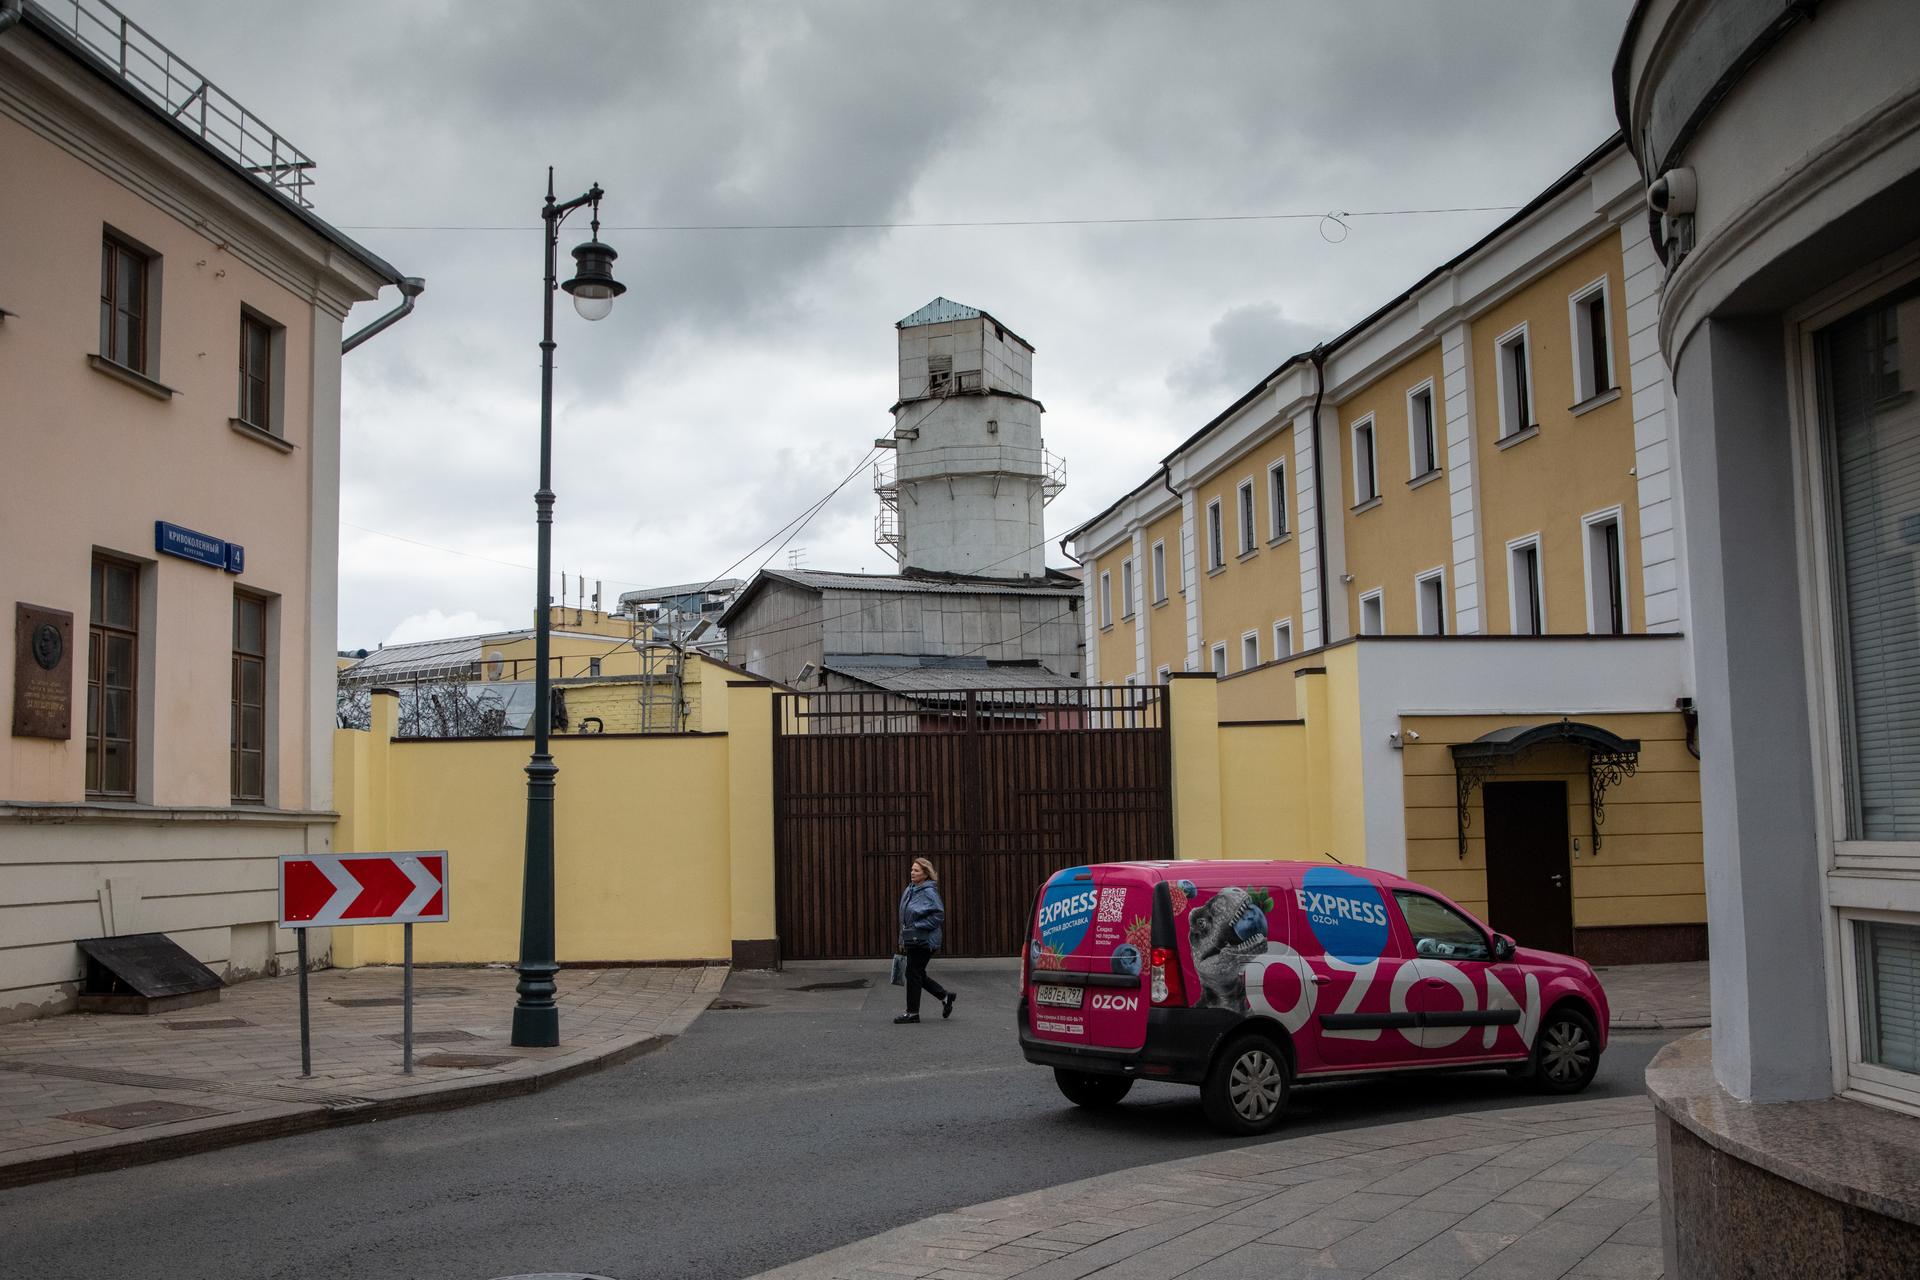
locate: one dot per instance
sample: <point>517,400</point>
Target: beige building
<point>170,352</point>
<point>1474,485</point>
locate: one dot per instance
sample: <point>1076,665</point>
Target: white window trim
<point>1158,560</point>
<point>1377,596</point>
<point>1165,674</point>
<point>1246,516</point>
<point>1129,584</point>
<point>1420,581</point>
<point>1218,654</point>
<point>1587,522</point>
<point>1373,447</point>
<point>1216,534</point>
<point>1413,430</point>
<point>1859,876</point>
<point>1504,383</point>
<point>1581,391</point>
<point>1276,527</point>
<point>1254,636</point>
<point>1283,651</point>
<point>1106,599</point>
<point>1539,579</point>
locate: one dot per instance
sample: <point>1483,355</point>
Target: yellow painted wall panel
<point>1166,619</point>
<point>1262,809</point>
<point>1255,591</point>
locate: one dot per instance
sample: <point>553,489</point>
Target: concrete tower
<point>972,478</point>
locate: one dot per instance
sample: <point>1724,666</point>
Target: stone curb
<point>1658,1024</point>
<point>210,1133</point>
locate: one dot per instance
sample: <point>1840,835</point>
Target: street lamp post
<point>536,1018</point>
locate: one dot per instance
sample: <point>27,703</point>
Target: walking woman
<point>923,918</point>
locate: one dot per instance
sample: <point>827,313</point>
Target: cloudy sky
<point>746,371</point>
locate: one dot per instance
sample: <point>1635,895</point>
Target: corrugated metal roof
<point>922,681</point>
<point>822,581</point>
<point>939,311</point>
<point>424,658</point>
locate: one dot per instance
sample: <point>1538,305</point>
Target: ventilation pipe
<point>411,287</point>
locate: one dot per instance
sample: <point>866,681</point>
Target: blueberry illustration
<point>1252,924</point>
<point>1126,959</point>
<point>1186,887</point>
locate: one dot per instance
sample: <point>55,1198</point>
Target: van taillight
<point>1165,976</point>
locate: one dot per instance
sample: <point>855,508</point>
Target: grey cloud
<point>1242,346</point>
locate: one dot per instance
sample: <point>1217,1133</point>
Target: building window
<point>1430,591</point>
<point>1283,638</point>
<point>1516,383</point>
<point>256,372</point>
<point>123,303</point>
<point>1219,657</point>
<point>113,660</point>
<point>1373,614</point>
<point>1249,521</point>
<point>1277,500</point>
<point>1106,599</point>
<point>1366,462</point>
<point>1420,442</point>
<point>1250,651</point>
<point>1126,588</point>
<point>593,666</point>
<point>1606,574</point>
<point>1160,573</point>
<point>1166,674</point>
<point>939,375</point>
<point>1887,959</point>
<point>1528,615</point>
<point>1592,352</point>
<point>249,719</point>
<point>1216,538</point>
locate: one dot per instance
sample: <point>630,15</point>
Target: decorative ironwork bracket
<point>1606,770</point>
<point>1466,777</point>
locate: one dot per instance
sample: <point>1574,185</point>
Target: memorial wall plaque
<point>42,672</point>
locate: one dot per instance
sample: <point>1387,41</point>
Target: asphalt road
<point>761,1136</point>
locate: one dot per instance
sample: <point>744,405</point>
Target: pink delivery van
<point>1245,978</point>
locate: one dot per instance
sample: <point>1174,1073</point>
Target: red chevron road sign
<point>362,888</point>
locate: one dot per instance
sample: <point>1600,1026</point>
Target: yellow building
<point>1455,523</point>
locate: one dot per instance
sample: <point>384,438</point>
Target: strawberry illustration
<point>1179,897</point>
<point>1050,957</point>
<point>1140,933</point>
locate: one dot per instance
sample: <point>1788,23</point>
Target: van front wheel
<point>1246,1089</point>
<point>1095,1092</point>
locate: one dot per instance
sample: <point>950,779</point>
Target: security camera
<point>1674,192</point>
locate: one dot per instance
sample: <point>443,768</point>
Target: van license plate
<point>1062,997</point>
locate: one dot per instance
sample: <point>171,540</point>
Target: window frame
<point>114,242</point>
<point>240,659</point>
<point>1367,424</point>
<point>1246,505</point>
<point>1157,559</point>
<point>95,738</point>
<point>1278,508</point>
<point>1378,599</point>
<point>1522,335</point>
<point>1165,674</point>
<point>275,376</point>
<point>1423,389</point>
<point>1217,655</point>
<point>1515,546</point>
<point>1590,525</point>
<point>1483,931</point>
<point>1106,599</point>
<point>1282,627</point>
<point>1250,638</point>
<point>1420,583</point>
<point>1216,537</point>
<point>1126,589</point>
<point>1580,331</point>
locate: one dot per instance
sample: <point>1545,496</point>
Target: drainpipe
<point>411,287</point>
<point>11,11</point>
<point>1166,478</point>
<point>1319,357</point>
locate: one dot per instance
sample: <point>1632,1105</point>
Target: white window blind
<point>1888,956</point>
<point>1873,428</point>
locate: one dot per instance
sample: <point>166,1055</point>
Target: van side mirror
<point>1502,947</point>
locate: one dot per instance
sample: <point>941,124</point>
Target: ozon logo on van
<point>1119,1004</point>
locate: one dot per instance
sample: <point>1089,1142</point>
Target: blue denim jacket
<point>923,916</point>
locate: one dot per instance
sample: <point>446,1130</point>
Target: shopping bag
<point>899,971</point>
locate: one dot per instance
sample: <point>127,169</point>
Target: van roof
<point>1174,869</point>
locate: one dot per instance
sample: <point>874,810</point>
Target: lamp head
<point>593,286</point>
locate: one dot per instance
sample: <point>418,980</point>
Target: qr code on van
<point>1113,905</point>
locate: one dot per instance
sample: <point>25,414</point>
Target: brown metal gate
<point>999,787</point>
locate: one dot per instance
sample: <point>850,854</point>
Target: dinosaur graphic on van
<point>1227,933</point>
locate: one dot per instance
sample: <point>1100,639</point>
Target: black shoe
<point>946,1005</point>
<point>908,1017</point>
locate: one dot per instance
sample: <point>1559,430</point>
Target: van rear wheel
<point>1566,1052</point>
<point>1095,1092</point>
<point>1246,1089</point>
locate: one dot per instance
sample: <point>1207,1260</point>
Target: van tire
<point>1094,1092</point>
<point>1566,1052</point>
<point>1246,1088</point>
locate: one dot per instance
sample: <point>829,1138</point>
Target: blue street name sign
<point>174,540</point>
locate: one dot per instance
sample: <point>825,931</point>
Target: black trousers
<point>917,978</point>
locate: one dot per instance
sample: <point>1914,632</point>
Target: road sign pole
<point>406,1000</point>
<point>306,1033</point>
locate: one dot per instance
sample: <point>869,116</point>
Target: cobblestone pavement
<point>1657,996</point>
<point>1533,1193</point>
<point>84,1092</point>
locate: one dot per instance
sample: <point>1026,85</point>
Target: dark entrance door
<point>1529,875</point>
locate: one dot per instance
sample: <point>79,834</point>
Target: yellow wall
<point>1255,591</point>
<point>1408,532</point>
<point>1116,640</point>
<point>664,844</point>
<point>1264,693</point>
<point>1167,619</point>
<point>1193,727</point>
<point>1649,867</point>
<point>1263,810</point>
<point>1574,466</point>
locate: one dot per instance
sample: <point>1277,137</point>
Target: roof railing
<point>126,49</point>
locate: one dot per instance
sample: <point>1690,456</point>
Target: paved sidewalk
<point>1531,1193</point>
<point>85,1092</point>
<point>1654,997</point>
